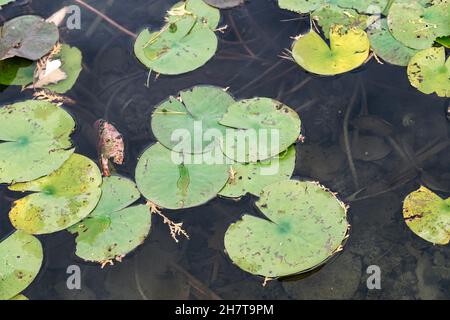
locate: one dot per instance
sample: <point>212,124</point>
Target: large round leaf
<point>305,226</point>
<point>16,71</point>
<point>177,48</point>
<point>348,50</point>
<point>203,12</point>
<point>20,261</point>
<point>428,215</point>
<point>387,47</point>
<point>29,37</point>
<point>301,6</point>
<point>176,181</point>
<point>429,72</point>
<point>224,4</point>
<point>36,137</point>
<point>263,128</point>
<point>113,229</point>
<point>417,23</point>
<point>254,177</point>
<point>71,58</point>
<point>60,199</point>
<point>184,121</point>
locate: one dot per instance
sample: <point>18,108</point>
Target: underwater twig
<point>238,35</point>
<point>268,70</point>
<point>176,229</point>
<point>348,150</point>
<point>299,86</point>
<point>106,18</point>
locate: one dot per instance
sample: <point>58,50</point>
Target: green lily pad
<point>348,50</point>
<point>387,47</point>
<point>445,41</point>
<point>364,6</point>
<point>181,46</point>
<point>203,12</point>
<point>429,72</point>
<point>71,59</point>
<point>35,139</point>
<point>305,226</point>
<point>329,15</point>
<point>301,6</point>
<point>428,215</point>
<point>4,2</point>
<point>113,229</point>
<point>254,177</point>
<point>29,37</point>
<point>19,297</point>
<point>21,258</point>
<point>16,71</point>
<point>263,128</point>
<point>176,181</point>
<point>58,200</point>
<point>199,111</point>
<point>417,23</point>
<point>224,4</point>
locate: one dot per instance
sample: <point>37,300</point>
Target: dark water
<point>410,147</point>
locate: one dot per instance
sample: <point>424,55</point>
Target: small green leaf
<point>16,71</point>
<point>71,59</point>
<point>224,4</point>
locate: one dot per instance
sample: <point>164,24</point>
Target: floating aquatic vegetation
<point>176,181</point>
<point>4,2</point>
<point>445,41</point>
<point>19,297</point>
<point>58,200</point>
<point>16,71</point>
<point>428,215</point>
<point>110,145</point>
<point>429,72</point>
<point>264,128</point>
<point>20,261</point>
<point>387,47</point>
<point>417,23</point>
<point>29,37</point>
<point>185,43</point>
<point>362,6</point>
<point>224,4</point>
<point>348,50</point>
<point>113,229</point>
<point>200,106</point>
<point>35,139</point>
<point>254,177</point>
<point>301,6</point>
<point>305,226</point>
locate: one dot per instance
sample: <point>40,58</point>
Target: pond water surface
<point>405,143</point>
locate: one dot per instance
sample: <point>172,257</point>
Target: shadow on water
<point>398,138</point>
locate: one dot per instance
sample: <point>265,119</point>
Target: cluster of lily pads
<point>412,33</point>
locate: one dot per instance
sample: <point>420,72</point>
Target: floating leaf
<point>3,2</point>
<point>253,177</point>
<point>363,6</point>
<point>113,229</point>
<point>29,37</point>
<point>224,4</point>
<point>19,297</point>
<point>21,258</point>
<point>181,122</point>
<point>176,181</point>
<point>348,50</point>
<point>36,140</point>
<point>445,41</point>
<point>429,72</point>
<point>16,71</point>
<point>301,6</point>
<point>203,12</point>
<point>264,128</point>
<point>387,47</point>
<point>60,199</point>
<point>305,226</point>
<point>428,215</point>
<point>417,23</point>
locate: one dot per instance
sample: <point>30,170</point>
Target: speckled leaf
<point>200,109</point>
<point>16,71</point>
<point>387,47</point>
<point>204,13</point>
<point>21,258</point>
<point>112,230</point>
<point>363,6</point>
<point>417,23</point>
<point>35,139</point>
<point>301,6</point>
<point>305,226</point>
<point>254,177</point>
<point>174,181</point>
<point>29,37</point>
<point>429,72</point>
<point>428,215</point>
<point>263,128</point>
<point>348,50</point>
<point>224,4</point>
<point>58,200</point>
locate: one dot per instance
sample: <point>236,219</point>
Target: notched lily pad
<point>348,50</point>
<point>429,72</point>
<point>175,181</point>
<point>113,229</point>
<point>305,226</point>
<point>29,37</point>
<point>21,258</point>
<point>58,200</point>
<point>224,4</point>
<point>263,128</point>
<point>35,140</point>
<point>428,215</point>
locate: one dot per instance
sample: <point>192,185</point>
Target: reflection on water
<point>399,139</point>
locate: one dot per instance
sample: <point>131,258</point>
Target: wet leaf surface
<point>224,4</point>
